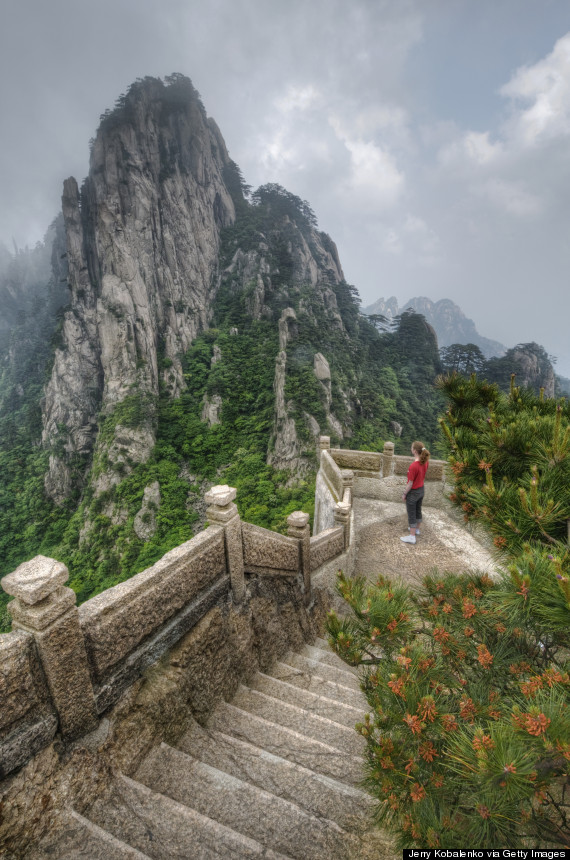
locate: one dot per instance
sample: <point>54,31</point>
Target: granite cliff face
<point>145,266</point>
<point>143,238</point>
<point>289,264</point>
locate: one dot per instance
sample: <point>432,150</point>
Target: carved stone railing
<point>367,474</point>
<point>63,666</point>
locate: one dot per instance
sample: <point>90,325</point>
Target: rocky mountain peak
<point>143,238</point>
<point>448,320</point>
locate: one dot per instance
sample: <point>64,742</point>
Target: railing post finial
<point>298,527</point>
<point>223,512</point>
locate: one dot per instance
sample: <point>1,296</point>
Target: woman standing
<point>414,491</point>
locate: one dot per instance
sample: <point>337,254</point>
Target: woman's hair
<point>420,449</point>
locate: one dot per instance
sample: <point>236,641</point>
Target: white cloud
<point>545,88</point>
<point>511,197</point>
<point>392,243</point>
<point>472,146</point>
<point>298,98</point>
<point>414,238</point>
<point>373,175</point>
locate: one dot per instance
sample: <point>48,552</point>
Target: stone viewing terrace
<point>199,663</point>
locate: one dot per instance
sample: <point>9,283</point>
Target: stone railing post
<point>223,512</point>
<point>47,610</point>
<point>342,518</point>
<point>324,444</point>
<point>298,527</point>
<point>347,482</point>
<point>387,459</point>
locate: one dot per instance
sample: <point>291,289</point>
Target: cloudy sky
<point>431,137</point>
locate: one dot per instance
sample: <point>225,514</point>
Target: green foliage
<point>510,457</point>
<point>468,735</point>
<point>375,378</point>
<point>466,359</point>
<point>462,358</point>
<point>282,203</point>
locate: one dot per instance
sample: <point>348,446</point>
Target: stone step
<point>322,670</point>
<point>167,830</point>
<point>291,745</point>
<point>269,819</point>
<point>311,702</point>
<point>318,794</point>
<point>80,839</point>
<point>323,653</point>
<point>299,720</point>
<point>320,686</point>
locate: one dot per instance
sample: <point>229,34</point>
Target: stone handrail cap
<point>343,506</point>
<point>388,446</point>
<point>36,579</point>
<point>298,519</point>
<point>220,495</point>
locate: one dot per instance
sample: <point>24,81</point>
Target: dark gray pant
<point>414,506</point>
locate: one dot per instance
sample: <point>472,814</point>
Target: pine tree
<point>468,734</point>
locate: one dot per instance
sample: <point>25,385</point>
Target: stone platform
<point>444,543</point>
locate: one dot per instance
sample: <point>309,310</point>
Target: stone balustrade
<point>64,666</point>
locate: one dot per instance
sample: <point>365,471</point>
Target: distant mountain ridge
<point>448,320</point>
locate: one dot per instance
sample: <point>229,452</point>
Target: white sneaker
<point>408,539</point>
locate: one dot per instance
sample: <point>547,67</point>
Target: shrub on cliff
<point>468,735</point>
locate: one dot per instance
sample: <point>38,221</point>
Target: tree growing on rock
<point>468,734</point>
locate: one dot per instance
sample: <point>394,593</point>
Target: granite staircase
<point>275,774</point>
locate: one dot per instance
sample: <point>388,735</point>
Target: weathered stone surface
<point>297,520</point>
<point>332,475</point>
<point>368,460</point>
<point>326,545</point>
<point>41,615</point>
<point>62,653</point>
<point>211,409</point>
<point>17,693</point>
<point>145,520</point>
<point>434,472</point>
<point>25,742</point>
<point>266,549</point>
<point>143,252</point>
<point>35,580</point>
<point>347,481</point>
<point>321,367</point>
<point>285,448</point>
<point>324,505</point>
<point>313,424</point>
<point>226,515</point>
<point>153,649</point>
<point>117,620</point>
<point>298,527</point>
<point>223,647</point>
<point>402,464</point>
<point>387,459</point>
<point>220,495</point>
<point>390,490</point>
<point>239,805</point>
